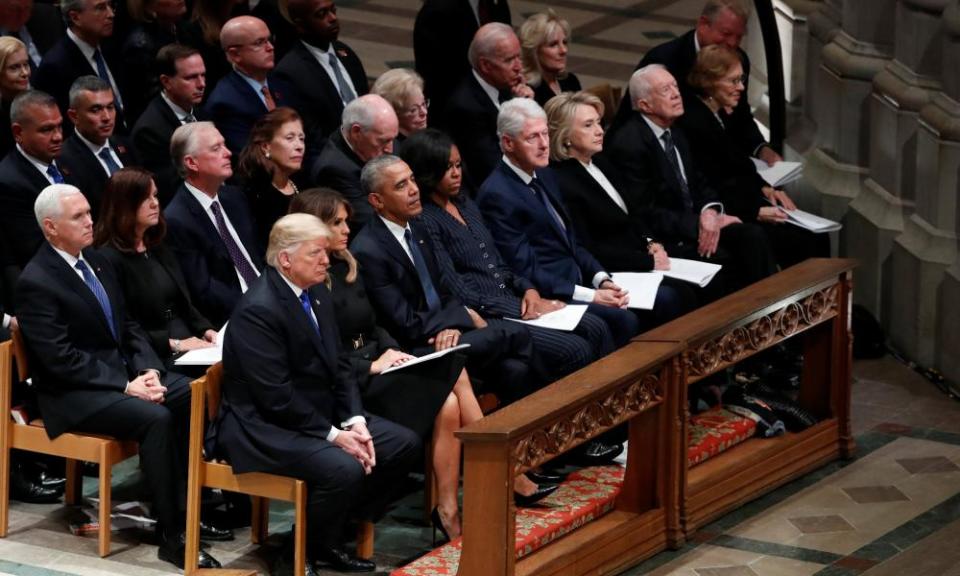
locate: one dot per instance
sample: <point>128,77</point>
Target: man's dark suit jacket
<point>282,391</point>
<point>527,236</point>
<point>471,119</point>
<point>616,238</point>
<point>151,139</point>
<point>650,182</point>
<point>78,367</point>
<point>395,289</point>
<point>203,257</point>
<point>86,171</point>
<point>679,56</point>
<point>339,168</point>
<point>20,184</point>
<point>441,38</point>
<point>314,94</point>
<point>234,106</point>
<point>63,64</point>
<point>45,27</point>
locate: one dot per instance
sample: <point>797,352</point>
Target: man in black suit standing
<point>28,169</point>
<point>94,370</point>
<point>721,22</point>
<point>288,409</point>
<point>244,95</point>
<point>93,153</point>
<point>82,51</point>
<point>441,39</point>
<point>471,113</point>
<point>325,74</point>
<point>209,225</point>
<point>369,129</point>
<point>653,158</point>
<point>183,79</point>
<point>38,26</point>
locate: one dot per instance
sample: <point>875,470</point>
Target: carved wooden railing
<point>645,384</point>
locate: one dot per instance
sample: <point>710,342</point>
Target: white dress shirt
<point>38,164</point>
<point>87,51</point>
<point>491,91</point>
<point>206,202</point>
<point>398,231</point>
<point>323,57</point>
<point>96,151</point>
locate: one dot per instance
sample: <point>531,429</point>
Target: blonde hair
<point>292,230</point>
<point>396,86</point>
<point>536,31</point>
<point>8,47</point>
<point>560,112</point>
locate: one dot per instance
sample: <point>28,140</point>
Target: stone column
<point>878,214</point>
<point>823,25</point>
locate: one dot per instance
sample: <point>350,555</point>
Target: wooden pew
<point>663,500</point>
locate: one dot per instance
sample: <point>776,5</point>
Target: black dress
<point>410,397</point>
<point>542,92</point>
<point>156,296</point>
<point>267,204</point>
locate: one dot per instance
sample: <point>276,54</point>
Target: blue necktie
<point>429,292</point>
<point>107,158</point>
<point>305,302</point>
<point>541,193</point>
<point>105,76</point>
<point>91,281</point>
<point>54,173</point>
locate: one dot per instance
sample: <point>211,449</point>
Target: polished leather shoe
<point>283,566</point>
<point>340,561</point>
<point>212,533</point>
<point>544,477</point>
<point>596,453</point>
<point>174,549</point>
<point>48,480</point>
<point>541,493</point>
<point>31,491</point>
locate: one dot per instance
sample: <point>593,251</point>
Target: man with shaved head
<point>324,74</point>
<point>367,130</point>
<point>244,95</point>
<point>496,75</point>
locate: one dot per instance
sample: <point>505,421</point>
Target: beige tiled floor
<point>710,560</point>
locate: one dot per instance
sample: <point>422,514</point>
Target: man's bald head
<point>247,42</point>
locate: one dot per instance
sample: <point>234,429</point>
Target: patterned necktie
<point>268,98</point>
<point>240,261</point>
<point>305,303</point>
<point>105,76</point>
<point>429,292</point>
<point>671,151</point>
<point>99,293</point>
<point>188,118</point>
<point>107,158</point>
<point>540,192</point>
<point>346,93</point>
<point>54,173</point>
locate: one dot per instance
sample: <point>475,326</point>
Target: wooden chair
<point>262,487</point>
<point>610,96</point>
<point>32,437</point>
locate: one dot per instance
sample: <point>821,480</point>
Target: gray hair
<point>640,84</point>
<point>24,100</point>
<point>88,83</point>
<point>371,175</point>
<point>484,43</point>
<point>360,112</point>
<point>396,85</point>
<point>67,6</point>
<point>713,8</point>
<point>184,141</point>
<point>49,203</point>
<point>514,114</point>
<point>289,232</point>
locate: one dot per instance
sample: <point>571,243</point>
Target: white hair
<point>485,41</point>
<point>183,142</point>
<point>640,83</point>
<point>515,113</point>
<point>49,203</point>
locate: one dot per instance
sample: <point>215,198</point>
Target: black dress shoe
<point>340,561</point>
<point>541,493</point>
<point>597,453</point>
<point>174,549</point>
<point>212,533</point>
<point>544,477</point>
<point>283,566</point>
<point>33,492</point>
<point>48,480</point>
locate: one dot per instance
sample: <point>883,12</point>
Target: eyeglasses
<point>258,44</point>
<point>417,108</point>
<point>737,80</point>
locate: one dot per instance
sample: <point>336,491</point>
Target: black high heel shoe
<point>438,525</point>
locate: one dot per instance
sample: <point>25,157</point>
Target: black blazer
<point>616,238</point>
<point>723,163</point>
<point>138,57</point>
<point>20,184</point>
<point>542,92</point>
<point>339,167</point>
<point>234,106</point>
<point>151,138</point>
<point>140,295</point>
<point>45,27</point>
<point>78,367</point>
<point>441,37</point>
<point>282,386</point>
<point>679,56</point>
<point>203,257</point>
<point>650,184</point>
<point>394,287</point>
<point>314,94</point>
<point>87,173</point>
<point>64,63</point>
<point>471,119</point>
